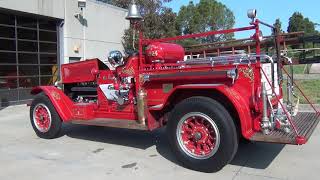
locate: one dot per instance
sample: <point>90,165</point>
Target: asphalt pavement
<point>95,153</point>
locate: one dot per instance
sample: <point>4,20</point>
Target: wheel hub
<point>198,135</point>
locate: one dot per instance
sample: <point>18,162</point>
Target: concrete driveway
<point>91,153</point>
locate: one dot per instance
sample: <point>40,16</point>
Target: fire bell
<point>134,17</point>
<point>134,12</point>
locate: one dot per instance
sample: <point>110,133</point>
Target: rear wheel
<point>44,118</point>
<point>202,134</point>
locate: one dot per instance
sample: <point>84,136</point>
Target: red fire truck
<point>207,102</point>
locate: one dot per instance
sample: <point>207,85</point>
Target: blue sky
<point>268,10</point>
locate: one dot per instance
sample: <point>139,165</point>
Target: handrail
<point>213,60</point>
<point>240,57</point>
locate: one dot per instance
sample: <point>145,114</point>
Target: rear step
<point>306,122</point>
<point>116,123</point>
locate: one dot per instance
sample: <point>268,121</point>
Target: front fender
<point>238,102</point>
<point>59,100</point>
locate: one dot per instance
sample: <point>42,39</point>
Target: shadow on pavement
<point>256,155</point>
<point>4,103</point>
<point>252,155</point>
<point>124,137</point>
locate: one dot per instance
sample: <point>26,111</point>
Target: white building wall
<point>102,32</point>
<point>51,8</point>
<point>98,32</point>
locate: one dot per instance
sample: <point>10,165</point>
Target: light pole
<point>82,5</point>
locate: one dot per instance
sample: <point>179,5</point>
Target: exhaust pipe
<point>142,107</point>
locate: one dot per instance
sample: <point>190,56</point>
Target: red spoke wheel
<point>44,118</point>
<point>202,134</point>
<point>198,135</point>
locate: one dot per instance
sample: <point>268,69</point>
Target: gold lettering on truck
<point>248,73</point>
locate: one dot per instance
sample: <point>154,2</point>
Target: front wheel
<point>202,134</point>
<point>44,118</point>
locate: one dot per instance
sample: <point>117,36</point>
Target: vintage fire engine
<point>206,103</point>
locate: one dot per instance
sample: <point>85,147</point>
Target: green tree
<point>278,24</point>
<point>159,21</point>
<point>299,23</point>
<point>207,15</point>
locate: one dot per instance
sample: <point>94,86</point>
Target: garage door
<point>28,55</point>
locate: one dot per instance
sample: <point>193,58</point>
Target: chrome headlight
<point>115,58</point>
<point>252,13</point>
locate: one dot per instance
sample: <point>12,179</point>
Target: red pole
<point>257,37</point>
<point>258,64</point>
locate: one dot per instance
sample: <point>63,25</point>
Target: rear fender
<point>60,101</point>
<point>238,102</point>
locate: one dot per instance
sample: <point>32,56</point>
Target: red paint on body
<point>63,104</point>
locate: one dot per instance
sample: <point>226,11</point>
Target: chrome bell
<point>134,12</point>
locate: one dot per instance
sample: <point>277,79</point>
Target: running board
<point>306,122</point>
<point>115,123</point>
